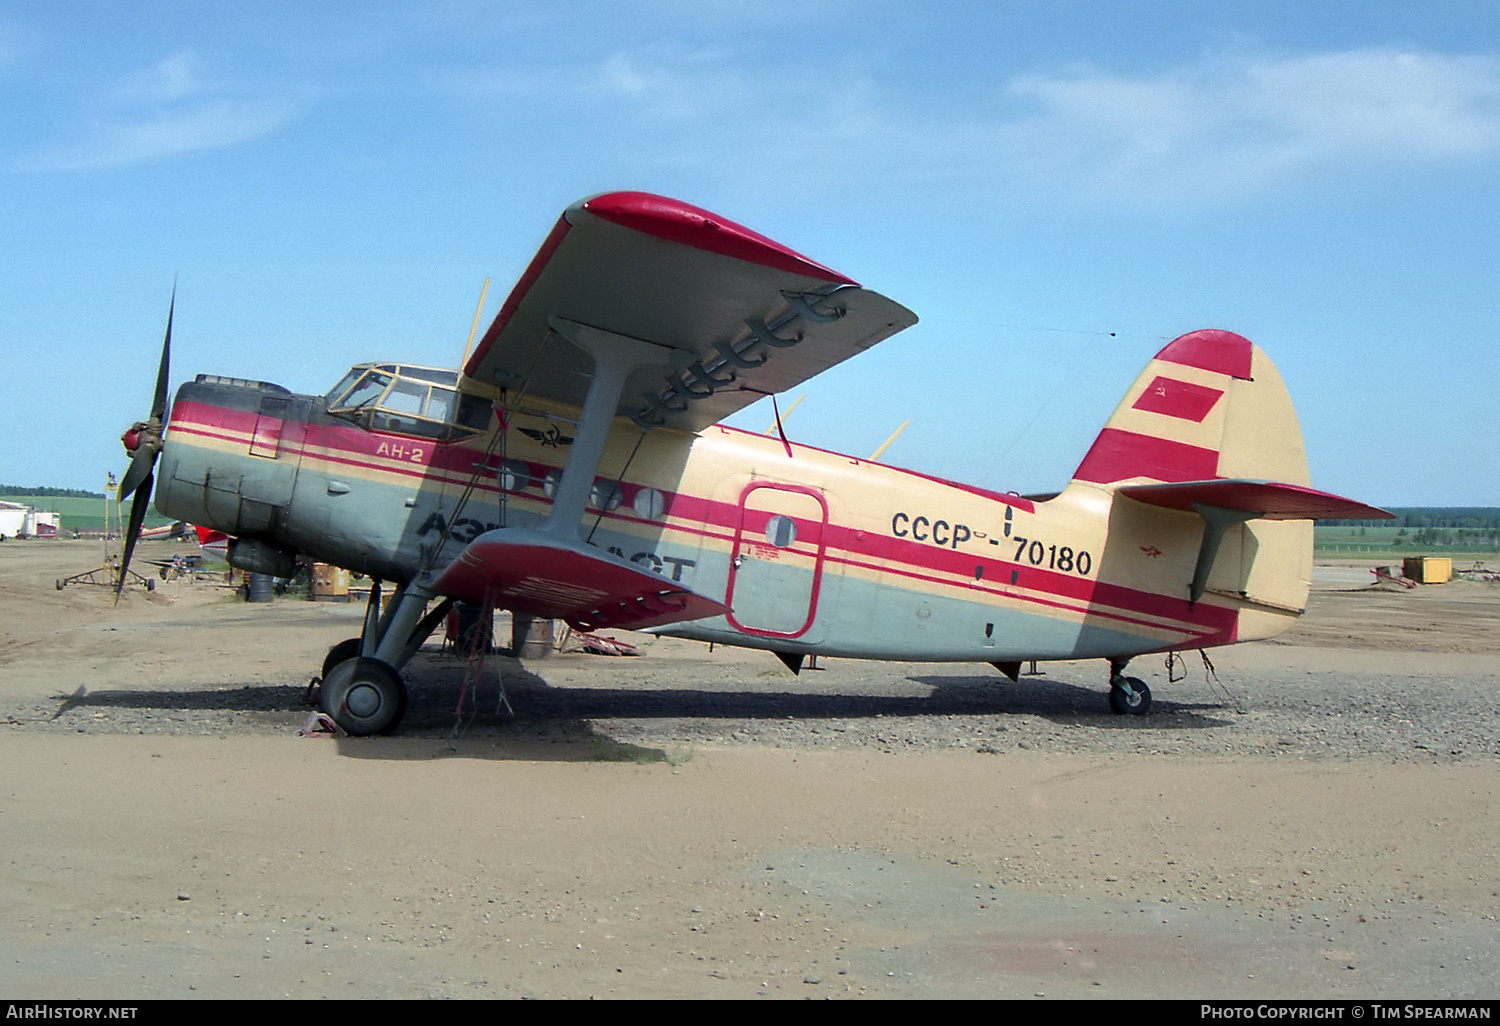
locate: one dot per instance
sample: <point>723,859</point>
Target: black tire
<point>346,649</point>
<point>364,696</point>
<point>1136,700</point>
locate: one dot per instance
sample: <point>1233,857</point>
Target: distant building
<point>43,525</point>
<point>13,518</point>
<point>18,521</point>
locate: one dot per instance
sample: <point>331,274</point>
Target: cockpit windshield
<point>405,400</point>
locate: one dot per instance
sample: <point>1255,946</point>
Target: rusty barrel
<point>260,587</point>
<point>531,638</point>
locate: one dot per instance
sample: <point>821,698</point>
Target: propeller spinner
<point>143,443</point>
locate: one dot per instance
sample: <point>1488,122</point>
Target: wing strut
<point>550,570</point>
<point>615,358</point>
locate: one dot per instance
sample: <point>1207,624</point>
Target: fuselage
<point>814,552</point>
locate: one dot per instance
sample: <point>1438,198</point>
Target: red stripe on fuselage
<point>718,521</point>
<point>1008,498</point>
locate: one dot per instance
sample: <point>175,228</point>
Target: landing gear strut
<point>362,690</point>
<point>1127,694</point>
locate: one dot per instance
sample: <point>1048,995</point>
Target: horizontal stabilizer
<point>531,572</point>
<point>1264,500</point>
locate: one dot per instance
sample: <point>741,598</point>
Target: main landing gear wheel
<point>1129,695</point>
<point>364,696</point>
<point>346,649</point>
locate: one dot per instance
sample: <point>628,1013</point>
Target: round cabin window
<point>514,475</point>
<point>781,531</point>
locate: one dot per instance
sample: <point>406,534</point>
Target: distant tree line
<point>1440,536</point>
<point>70,493</point>
<point>1472,517</point>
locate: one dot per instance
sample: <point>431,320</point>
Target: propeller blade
<point>138,507</point>
<point>146,438</point>
<point>140,468</point>
<point>159,405</point>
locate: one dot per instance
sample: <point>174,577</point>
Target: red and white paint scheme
<point>575,467</point>
<point>213,543</point>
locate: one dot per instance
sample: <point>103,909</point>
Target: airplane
<point>575,468</point>
<point>212,543</point>
<point>166,532</point>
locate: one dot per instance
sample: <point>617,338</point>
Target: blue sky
<point>1055,188</point>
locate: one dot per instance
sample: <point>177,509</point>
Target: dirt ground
<point>1315,818</point>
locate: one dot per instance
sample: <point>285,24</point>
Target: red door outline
<point>739,539</point>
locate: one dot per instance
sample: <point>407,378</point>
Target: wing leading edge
<point>742,316</point>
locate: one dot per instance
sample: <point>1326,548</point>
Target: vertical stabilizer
<point>1208,410</point>
<point>1209,405</point>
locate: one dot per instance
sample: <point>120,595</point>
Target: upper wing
<point>745,316</point>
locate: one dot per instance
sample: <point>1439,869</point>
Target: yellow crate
<point>1428,569</point>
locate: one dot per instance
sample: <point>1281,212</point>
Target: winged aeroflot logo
<point>552,436</point>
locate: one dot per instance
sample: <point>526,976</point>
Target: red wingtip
<point>693,226</point>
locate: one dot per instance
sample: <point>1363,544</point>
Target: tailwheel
<point>364,696</point>
<point>1129,695</point>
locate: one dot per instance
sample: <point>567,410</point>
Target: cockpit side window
<point>363,395</point>
<point>409,401</point>
<point>440,404</point>
<point>332,398</point>
<point>405,396</point>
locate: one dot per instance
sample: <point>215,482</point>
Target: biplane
<point>575,467</point>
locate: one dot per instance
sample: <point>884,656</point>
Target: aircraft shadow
<point>535,701</point>
<point>1063,702</point>
<point>548,722</point>
<point>1052,700</point>
<point>247,698</point>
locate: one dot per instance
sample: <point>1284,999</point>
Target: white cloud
<point>173,78</point>
<point>1228,129</point>
<point>677,84</point>
<point>751,121</point>
<point>166,110</point>
<point>206,125</point>
<point>1240,127</point>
